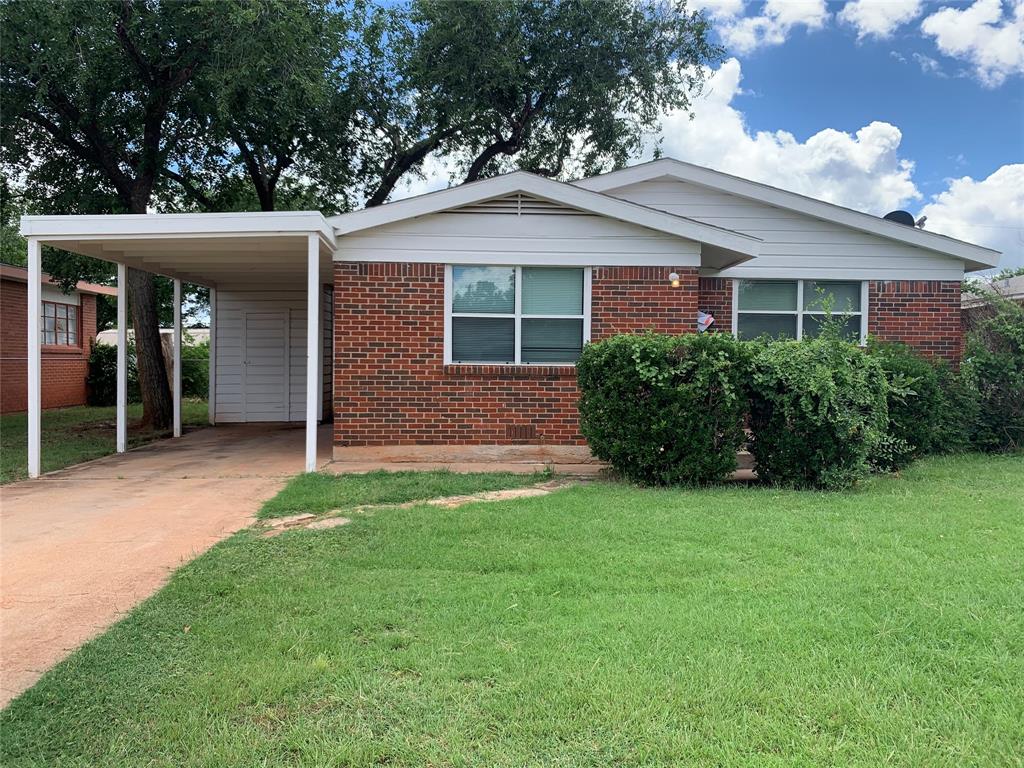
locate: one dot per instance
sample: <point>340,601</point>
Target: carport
<point>267,274</point>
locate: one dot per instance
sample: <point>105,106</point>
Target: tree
<point>531,84</point>
<point>94,97</point>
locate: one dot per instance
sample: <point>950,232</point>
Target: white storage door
<point>265,366</point>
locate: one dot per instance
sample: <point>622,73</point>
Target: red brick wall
<point>923,313</point>
<point>716,298</point>
<point>64,369</point>
<point>391,386</point>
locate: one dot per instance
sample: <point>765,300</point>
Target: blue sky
<point>870,104</point>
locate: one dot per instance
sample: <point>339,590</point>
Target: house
<point>975,307</point>
<point>454,318</point>
<point>68,328</point>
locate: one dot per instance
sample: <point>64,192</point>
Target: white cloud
<point>993,43</point>
<point>861,171</point>
<point>988,212</point>
<point>879,18</point>
<point>928,65</point>
<point>719,8</point>
<point>777,19</point>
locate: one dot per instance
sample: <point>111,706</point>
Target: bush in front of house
<point>195,369</point>
<point>818,412</point>
<point>993,368</point>
<point>665,409</point>
<point>101,383</point>
<point>915,401</point>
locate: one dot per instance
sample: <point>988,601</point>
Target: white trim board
<point>743,246</point>
<point>974,256</point>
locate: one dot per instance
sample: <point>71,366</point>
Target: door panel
<point>265,367</point>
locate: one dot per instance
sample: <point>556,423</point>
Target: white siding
<point>554,237</point>
<point>795,245</point>
<point>290,388</point>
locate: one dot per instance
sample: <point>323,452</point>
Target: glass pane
<point>49,324</point>
<point>845,296</point>
<point>48,309</point>
<point>767,294</point>
<point>72,338</point>
<point>72,322</point>
<point>62,310</point>
<point>850,325</point>
<point>551,341</point>
<point>552,291</point>
<point>483,339</point>
<point>484,289</point>
<point>752,326</point>
<point>62,324</point>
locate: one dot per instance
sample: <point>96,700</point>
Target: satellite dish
<point>900,217</point>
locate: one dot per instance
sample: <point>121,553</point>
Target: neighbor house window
<point>795,309</point>
<point>60,324</point>
<point>528,315</point>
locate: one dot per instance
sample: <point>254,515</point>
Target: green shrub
<point>957,411</point>
<point>818,411</point>
<point>994,367</point>
<point>915,403</point>
<point>665,409</point>
<point>195,369</point>
<point>101,383</point>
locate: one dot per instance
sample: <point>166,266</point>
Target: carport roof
<point>268,248</point>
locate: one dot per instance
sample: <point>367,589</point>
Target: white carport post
<point>211,401</point>
<point>122,358</point>
<point>176,393</point>
<point>35,312</point>
<point>312,345</point>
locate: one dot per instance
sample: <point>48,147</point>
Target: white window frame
<point>799,311</point>
<point>517,316</point>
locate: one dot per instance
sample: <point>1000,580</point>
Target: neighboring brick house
<point>68,328</point>
<point>454,318</point>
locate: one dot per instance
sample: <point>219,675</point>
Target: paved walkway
<point>80,547</point>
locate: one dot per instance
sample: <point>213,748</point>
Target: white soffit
<point>974,256</point>
<point>744,246</point>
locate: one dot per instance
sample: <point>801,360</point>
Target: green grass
<point>319,492</point>
<point>600,625</point>
<point>73,435</point>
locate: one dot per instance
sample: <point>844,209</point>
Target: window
<point>60,324</point>
<point>796,308</point>
<point>517,315</point>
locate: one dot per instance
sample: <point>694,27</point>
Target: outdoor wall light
<point>674,279</point>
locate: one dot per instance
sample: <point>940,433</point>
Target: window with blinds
<point>795,309</point>
<point>517,315</point>
<point>60,324</point>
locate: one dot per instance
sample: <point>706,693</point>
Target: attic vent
<point>517,204</point>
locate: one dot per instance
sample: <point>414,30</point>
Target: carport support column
<point>312,345</point>
<point>35,312</point>
<point>177,358</point>
<point>122,358</point>
<point>212,396</point>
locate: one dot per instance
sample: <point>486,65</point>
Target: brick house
<point>68,328</point>
<point>454,318</point>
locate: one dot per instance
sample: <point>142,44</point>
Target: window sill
<point>60,349</point>
<point>512,371</point>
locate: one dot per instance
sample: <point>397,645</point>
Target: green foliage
<point>994,368</point>
<point>957,411</point>
<point>195,368</point>
<point>665,409</point>
<point>916,402</point>
<point>101,384</point>
<point>817,413</point>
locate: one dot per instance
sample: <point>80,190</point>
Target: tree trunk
<point>157,406</point>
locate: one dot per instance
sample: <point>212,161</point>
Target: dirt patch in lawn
<point>334,518</point>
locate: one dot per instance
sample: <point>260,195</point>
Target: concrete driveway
<point>82,546</point>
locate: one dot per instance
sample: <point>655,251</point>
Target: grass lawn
<point>600,625</point>
<point>73,435</point>
<point>317,492</point>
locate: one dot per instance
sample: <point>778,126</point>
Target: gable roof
<point>744,246</point>
<point>20,274</point>
<point>974,256</point>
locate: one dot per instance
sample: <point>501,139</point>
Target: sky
<point>872,104</point>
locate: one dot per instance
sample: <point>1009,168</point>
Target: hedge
<point>665,409</point>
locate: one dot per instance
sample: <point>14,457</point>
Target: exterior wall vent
<point>518,204</point>
<point>521,431</point>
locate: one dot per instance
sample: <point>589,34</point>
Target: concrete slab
<point>82,546</point>
<point>574,460</point>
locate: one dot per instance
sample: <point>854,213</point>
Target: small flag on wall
<point>704,321</point>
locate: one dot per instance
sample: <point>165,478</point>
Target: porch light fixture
<point>674,279</point>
